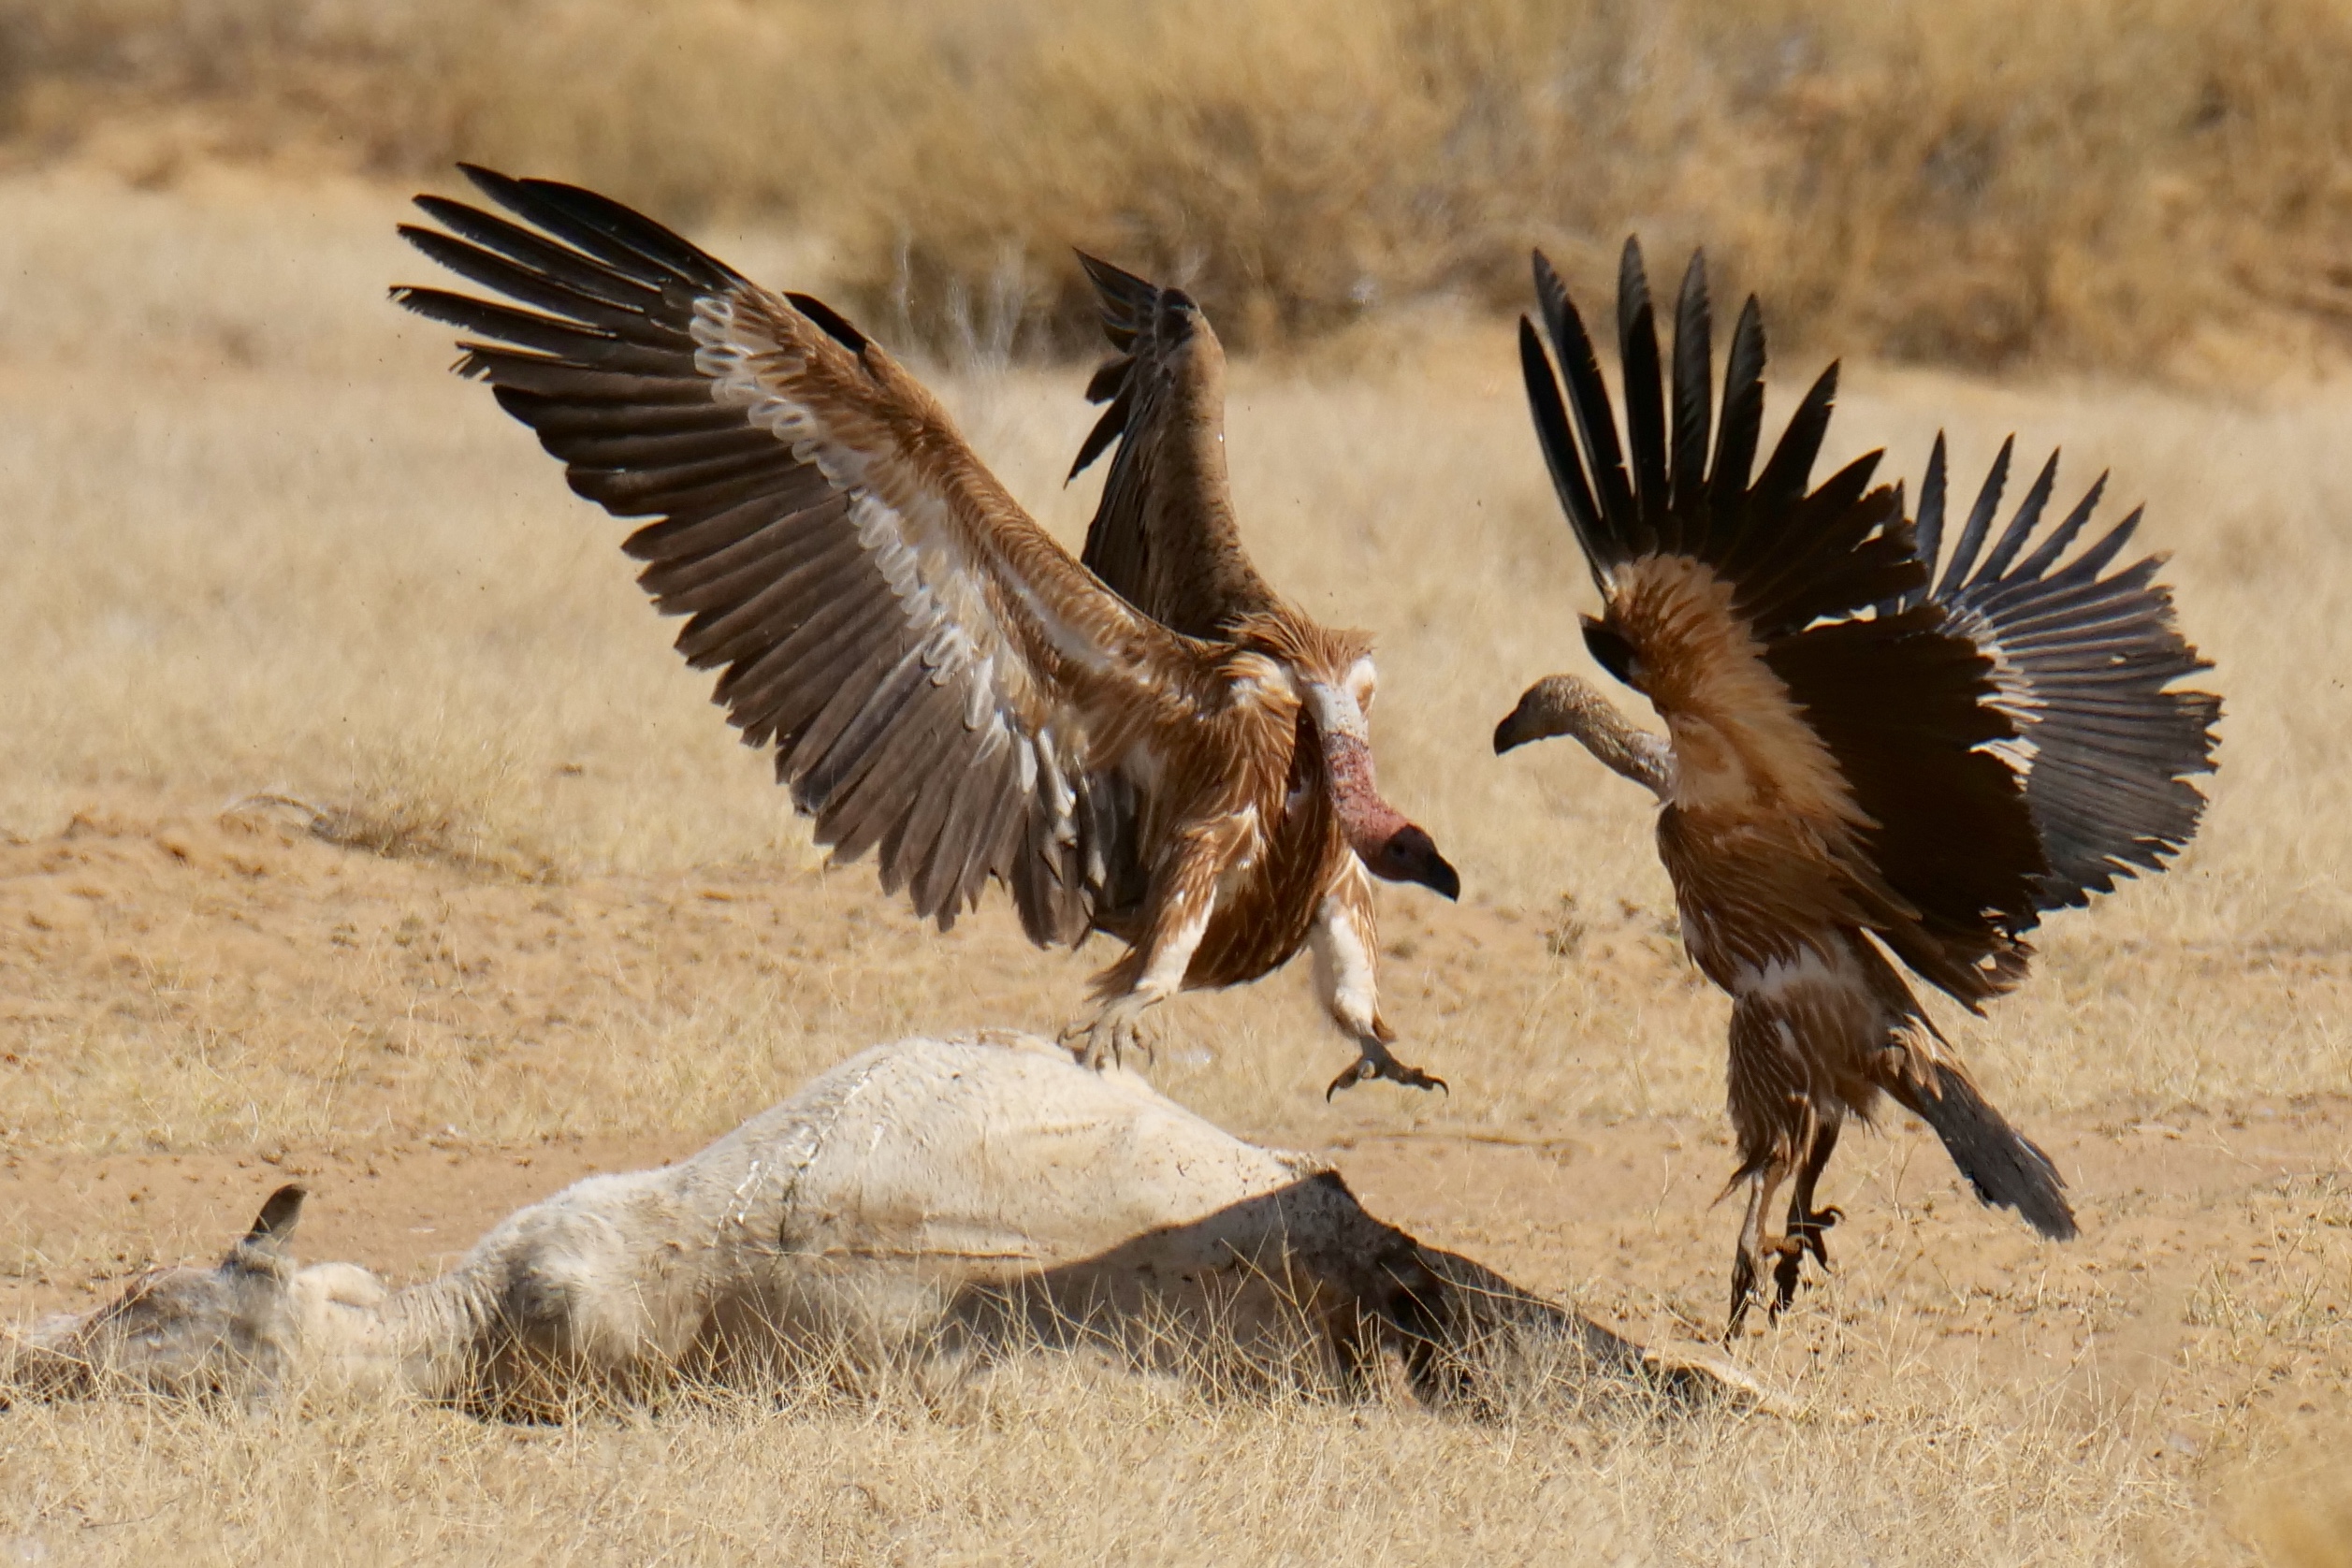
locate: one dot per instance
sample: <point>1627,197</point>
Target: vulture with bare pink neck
<point>1154,743</point>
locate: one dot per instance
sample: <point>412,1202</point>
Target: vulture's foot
<point>1788,1264</point>
<point>1805,1235</point>
<point>1375,1062</point>
<point>1106,1040</point>
<point>1744,1274</point>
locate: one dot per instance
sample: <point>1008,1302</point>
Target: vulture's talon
<point>1805,1235</point>
<point>1787,1274</point>
<point>1810,1231</point>
<point>1414,1078</point>
<point>1377,1063</point>
<point>1105,1038</point>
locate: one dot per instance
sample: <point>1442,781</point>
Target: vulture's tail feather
<point>2003,1165</point>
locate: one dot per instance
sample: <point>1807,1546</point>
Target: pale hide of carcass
<point>935,1206</point>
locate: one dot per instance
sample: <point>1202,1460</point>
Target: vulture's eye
<point>1612,652</point>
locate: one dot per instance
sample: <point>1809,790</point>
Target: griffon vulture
<point>1168,751</point>
<point>1862,760</point>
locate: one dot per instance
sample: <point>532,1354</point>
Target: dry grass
<point>2104,182</point>
<point>1060,1469</point>
<point>257,541</point>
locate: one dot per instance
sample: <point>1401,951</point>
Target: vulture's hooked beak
<point>1555,705</point>
<point>1391,848</point>
<point>1411,856</point>
<point>1517,728</point>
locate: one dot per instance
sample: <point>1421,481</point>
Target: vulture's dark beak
<point>1411,856</point>
<point>1514,730</point>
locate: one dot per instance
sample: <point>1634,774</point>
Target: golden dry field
<point>2149,185</point>
<point>357,822</point>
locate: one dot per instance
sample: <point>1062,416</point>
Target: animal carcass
<point>934,1205</point>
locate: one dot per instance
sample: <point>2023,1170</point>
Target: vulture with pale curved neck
<point>1166,751</point>
<point>1864,762</point>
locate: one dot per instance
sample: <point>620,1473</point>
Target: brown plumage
<point>1857,764</point>
<point>1181,767</point>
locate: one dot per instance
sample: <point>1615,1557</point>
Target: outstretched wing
<point>1735,601</point>
<point>2082,665</point>
<point>938,678</point>
<point>1163,535</point>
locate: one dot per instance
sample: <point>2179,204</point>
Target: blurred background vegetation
<point>2080,184</point>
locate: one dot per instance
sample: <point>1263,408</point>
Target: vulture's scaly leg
<point>1806,1223</point>
<point>1748,1258</point>
<point>1117,1026</point>
<point>1154,968</point>
<point>1346,977</point>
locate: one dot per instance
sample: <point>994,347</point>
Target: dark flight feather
<point>2086,665</point>
<point>1163,536</point>
<point>595,349</point>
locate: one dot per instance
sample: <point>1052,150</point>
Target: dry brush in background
<point>2115,183</point>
